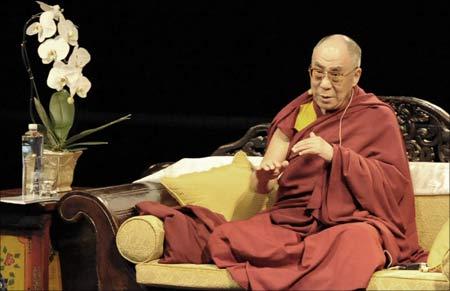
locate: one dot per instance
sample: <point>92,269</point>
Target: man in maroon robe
<point>345,205</point>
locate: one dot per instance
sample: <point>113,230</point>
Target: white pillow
<point>190,165</point>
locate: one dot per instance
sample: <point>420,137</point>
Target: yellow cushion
<point>407,280</point>
<point>224,189</point>
<point>184,276</point>
<point>446,265</point>
<point>440,246</point>
<point>140,238</point>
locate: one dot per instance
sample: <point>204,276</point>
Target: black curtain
<point>197,74</point>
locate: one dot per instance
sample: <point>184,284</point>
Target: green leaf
<point>85,133</point>
<point>5,249</point>
<point>62,114</point>
<point>17,255</point>
<point>75,146</point>
<point>86,143</point>
<point>76,149</point>
<point>54,142</point>
<point>16,266</point>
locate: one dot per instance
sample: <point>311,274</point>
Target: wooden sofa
<point>85,231</point>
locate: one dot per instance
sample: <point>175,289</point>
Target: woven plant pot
<point>58,166</point>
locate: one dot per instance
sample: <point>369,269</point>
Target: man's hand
<point>314,145</point>
<point>269,170</point>
<point>266,173</point>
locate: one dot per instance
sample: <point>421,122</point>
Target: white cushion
<point>430,178</point>
<point>190,165</point>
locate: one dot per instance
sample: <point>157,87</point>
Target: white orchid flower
<point>61,75</point>
<point>79,57</point>
<point>68,31</point>
<point>53,50</point>
<point>45,28</point>
<point>57,11</point>
<point>57,79</point>
<point>80,87</point>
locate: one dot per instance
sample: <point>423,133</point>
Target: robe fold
<point>333,224</point>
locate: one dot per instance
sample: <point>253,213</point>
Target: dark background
<point>197,74</point>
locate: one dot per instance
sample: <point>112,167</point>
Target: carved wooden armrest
<point>99,213</point>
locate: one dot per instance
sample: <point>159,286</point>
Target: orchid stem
<point>26,63</point>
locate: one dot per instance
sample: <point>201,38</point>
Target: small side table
<point>25,244</point>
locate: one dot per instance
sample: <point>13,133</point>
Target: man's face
<point>333,74</point>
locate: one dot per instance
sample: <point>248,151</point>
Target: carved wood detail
<point>425,128</point>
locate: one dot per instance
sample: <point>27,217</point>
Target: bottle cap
<point>32,126</point>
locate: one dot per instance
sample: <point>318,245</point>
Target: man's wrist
<point>330,153</point>
<point>264,188</point>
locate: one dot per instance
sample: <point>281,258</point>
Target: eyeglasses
<point>318,75</point>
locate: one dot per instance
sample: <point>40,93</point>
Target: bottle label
<point>26,150</point>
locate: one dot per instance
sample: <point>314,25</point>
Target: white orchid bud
<point>53,50</point>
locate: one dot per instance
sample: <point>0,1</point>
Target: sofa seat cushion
<point>407,280</point>
<point>184,276</point>
<point>210,277</point>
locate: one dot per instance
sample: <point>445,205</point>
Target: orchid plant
<point>58,37</point>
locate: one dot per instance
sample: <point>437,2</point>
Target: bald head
<point>335,71</point>
<point>338,42</point>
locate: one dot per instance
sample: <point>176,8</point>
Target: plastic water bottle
<point>32,150</point>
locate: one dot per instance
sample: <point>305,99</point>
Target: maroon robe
<point>333,224</point>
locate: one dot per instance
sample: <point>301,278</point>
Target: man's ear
<point>356,76</point>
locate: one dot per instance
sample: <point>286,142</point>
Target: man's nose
<point>325,82</point>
